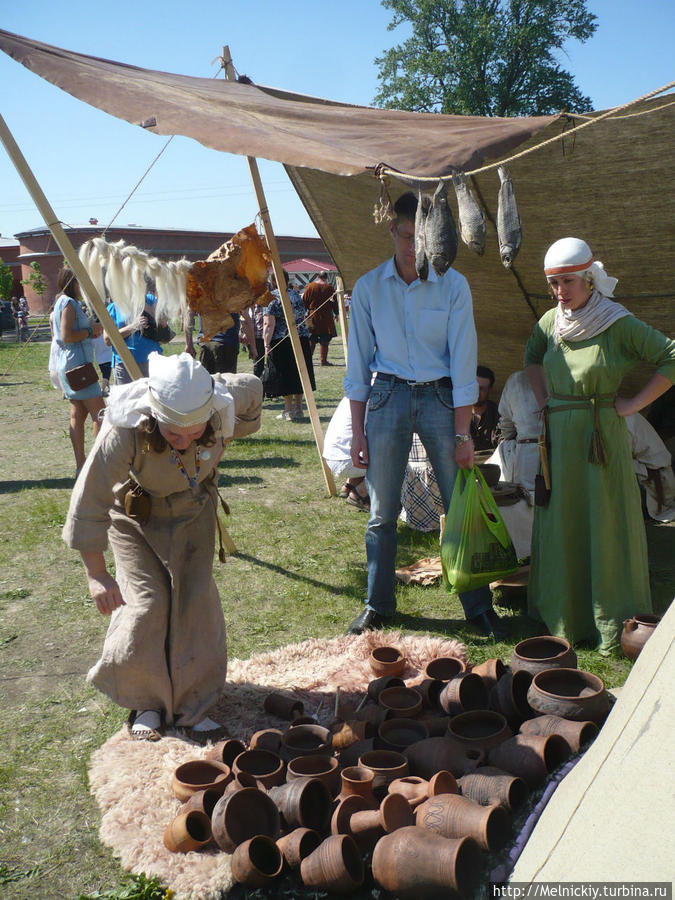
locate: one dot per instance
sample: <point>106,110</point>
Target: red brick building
<point>39,246</point>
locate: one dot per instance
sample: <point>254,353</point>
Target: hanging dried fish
<point>421,261</point>
<point>471,216</point>
<point>440,232</point>
<point>509,230</point>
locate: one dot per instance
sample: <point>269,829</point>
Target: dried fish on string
<point>471,215</point>
<point>440,232</point>
<point>421,261</point>
<point>509,230</point>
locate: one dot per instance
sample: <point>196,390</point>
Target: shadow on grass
<point>519,626</point>
<point>13,487</point>
<point>295,576</point>
<point>263,462</point>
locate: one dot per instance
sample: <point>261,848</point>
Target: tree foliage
<point>36,279</point>
<point>483,57</point>
<point>6,281</point>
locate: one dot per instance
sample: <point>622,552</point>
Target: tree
<point>36,280</point>
<point>6,281</point>
<point>483,57</point>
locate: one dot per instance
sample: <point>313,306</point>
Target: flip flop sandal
<point>355,499</point>
<point>149,734</point>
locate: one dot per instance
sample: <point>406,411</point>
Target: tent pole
<point>66,247</point>
<point>277,266</point>
<point>344,326</point>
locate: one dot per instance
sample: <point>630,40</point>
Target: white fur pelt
<point>131,780</point>
<point>120,270</point>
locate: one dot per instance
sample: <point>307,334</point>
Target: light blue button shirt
<point>420,332</point>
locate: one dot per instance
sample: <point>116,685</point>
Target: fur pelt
<point>131,780</point>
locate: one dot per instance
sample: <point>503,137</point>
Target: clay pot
<point>536,654</point>
<point>413,862</point>
<point>386,765</point>
<point>509,697</point>
<point>490,671</point>
<point>577,734</point>
<point>530,756</point>
<point>491,473</point>
<point>481,728</point>
<point>323,768</point>
<point>570,694</point>
<point>454,816</point>
<point>462,693</point>
<point>373,715</point>
<point>358,781</point>
<point>432,755</point>
<point>267,767</point>
<point>387,661</point>
<point>430,690</point>
<point>258,862</point>
<point>204,801</point>
<point>242,780</point>
<point>303,803</point>
<point>443,668</point>
<point>402,702</point>
<point>397,734</point>
<point>267,739</point>
<point>303,720</point>
<point>437,726</point>
<point>350,755</point>
<point>367,826</point>
<point>380,684</point>
<point>305,740</point>
<point>283,707</point>
<point>298,844</point>
<point>416,790</point>
<point>489,786</point>
<point>198,775</point>
<point>344,734</point>
<point>335,865</point>
<point>242,815</point>
<point>189,831</point>
<point>636,632</point>
<point>225,751</point>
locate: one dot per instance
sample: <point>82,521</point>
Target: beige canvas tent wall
<point>611,183</point>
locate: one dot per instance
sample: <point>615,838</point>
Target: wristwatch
<point>462,439</point>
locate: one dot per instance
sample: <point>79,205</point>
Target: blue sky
<point>87,161</point>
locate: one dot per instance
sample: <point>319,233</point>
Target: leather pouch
<point>82,376</point>
<point>138,504</point>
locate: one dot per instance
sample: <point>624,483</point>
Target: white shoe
<point>286,416</point>
<point>146,725</point>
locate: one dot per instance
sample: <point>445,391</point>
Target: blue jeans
<point>395,411</point>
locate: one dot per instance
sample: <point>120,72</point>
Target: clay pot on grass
<point>257,863</point>
<point>335,866</point>
<point>570,694</point>
<point>463,693</point>
<point>387,661</point>
<point>454,816</point>
<point>489,786</point>
<point>430,690</point>
<point>536,654</point>
<point>577,734</point>
<point>636,632</point>
<point>530,756</point>
<point>298,844</point>
<point>199,775</point>
<point>243,815</point>
<point>413,863</point>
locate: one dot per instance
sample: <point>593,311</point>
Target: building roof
<point>309,265</point>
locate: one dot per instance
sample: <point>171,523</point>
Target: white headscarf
<point>572,256</point>
<point>179,391</point>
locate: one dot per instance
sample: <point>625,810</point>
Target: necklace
<point>177,461</point>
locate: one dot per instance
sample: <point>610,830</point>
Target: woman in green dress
<point>589,550</point>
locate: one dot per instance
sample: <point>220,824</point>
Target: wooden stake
<point>278,268</point>
<point>344,327</point>
<point>66,247</point>
<point>337,702</point>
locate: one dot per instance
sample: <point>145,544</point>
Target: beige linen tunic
<point>166,648</point>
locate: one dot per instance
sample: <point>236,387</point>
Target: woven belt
<point>441,382</point>
<point>597,453</point>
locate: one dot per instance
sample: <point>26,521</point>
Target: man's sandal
<point>145,725</point>
<point>345,489</point>
<point>355,499</point>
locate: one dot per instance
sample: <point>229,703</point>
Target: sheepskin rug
<point>131,780</point>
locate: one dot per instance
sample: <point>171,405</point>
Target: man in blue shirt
<point>419,339</point>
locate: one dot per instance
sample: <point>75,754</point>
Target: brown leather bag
<point>82,376</point>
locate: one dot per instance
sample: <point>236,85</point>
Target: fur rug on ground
<point>131,780</point>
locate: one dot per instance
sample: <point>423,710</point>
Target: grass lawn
<point>300,573</point>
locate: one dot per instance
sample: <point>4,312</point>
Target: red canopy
<point>309,265</point>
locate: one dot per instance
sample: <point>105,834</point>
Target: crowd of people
<point>415,400</point>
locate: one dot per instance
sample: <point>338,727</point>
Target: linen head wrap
<point>572,256</point>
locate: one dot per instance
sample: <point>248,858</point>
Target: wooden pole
<point>66,247</point>
<point>278,268</point>
<point>344,326</point>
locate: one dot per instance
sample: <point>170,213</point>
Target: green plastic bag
<point>476,547</point>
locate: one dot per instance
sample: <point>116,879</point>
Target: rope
<point>408,176</point>
<point>645,112</point>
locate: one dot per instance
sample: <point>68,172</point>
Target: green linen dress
<point>589,550</point>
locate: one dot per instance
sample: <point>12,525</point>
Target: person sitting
<point>337,452</point>
<point>484,413</point>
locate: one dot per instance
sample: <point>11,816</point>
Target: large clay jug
<point>489,786</point>
<point>257,862</point>
<point>454,816</point>
<point>636,632</point>
<point>242,815</point>
<point>335,865</point>
<point>413,862</point>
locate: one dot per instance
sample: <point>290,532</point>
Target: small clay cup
<point>204,801</point>
<point>242,780</point>
<point>481,728</point>
<point>305,740</point>
<point>577,734</point>
<point>242,815</point>
<point>570,694</point>
<point>335,865</point>
<point>323,768</point>
<point>443,668</point>
<point>397,734</point>
<point>267,767</point>
<point>358,781</point>
<point>509,697</point>
<point>490,671</point>
<point>225,751</point>
<point>257,863</point>
<point>386,765</point>
<point>536,654</point>
<point>298,844</point>
<point>266,739</point>
<point>190,830</point>
<point>380,684</point>
<point>303,803</point>
<point>464,692</point>
<point>387,661</point>
<point>198,775</point>
<point>344,734</point>
<point>282,706</point>
<point>489,786</point>
<point>430,690</point>
<point>401,702</point>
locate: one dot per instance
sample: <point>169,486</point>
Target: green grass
<point>300,573</point>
